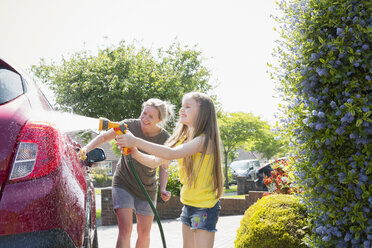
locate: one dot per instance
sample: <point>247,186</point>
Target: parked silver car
<point>241,168</point>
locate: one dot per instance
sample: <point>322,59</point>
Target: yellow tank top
<point>202,194</point>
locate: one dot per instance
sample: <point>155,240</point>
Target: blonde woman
<point>126,194</point>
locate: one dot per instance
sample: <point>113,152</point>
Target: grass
<point>232,188</point>
<point>98,213</point>
<point>234,196</point>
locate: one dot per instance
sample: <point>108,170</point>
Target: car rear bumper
<point>53,202</point>
<point>49,238</point>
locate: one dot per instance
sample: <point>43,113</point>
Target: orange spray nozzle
<point>106,124</point>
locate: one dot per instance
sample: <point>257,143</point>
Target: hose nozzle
<point>106,124</point>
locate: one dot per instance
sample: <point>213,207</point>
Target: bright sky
<point>237,35</point>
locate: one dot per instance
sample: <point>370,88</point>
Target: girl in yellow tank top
<point>196,144</point>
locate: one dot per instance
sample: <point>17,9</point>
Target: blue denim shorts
<point>201,218</point>
<point>123,199</point>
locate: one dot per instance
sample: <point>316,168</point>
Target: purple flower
<point>321,72</point>
<point>333,105</point>
<point>363,178</point>
<point>348,237</point>
<point>342,55</point>
<point>319,126</point>
<point>326,238</point>
<point>340,131</point>
<point>347,118</point>
<point>314,56</point>
<point>339,31</point>
<point>365,47</point>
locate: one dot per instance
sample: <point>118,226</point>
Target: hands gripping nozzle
<point>105,124</point>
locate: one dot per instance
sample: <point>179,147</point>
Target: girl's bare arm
<point>148,160</point>
<point>168,153</point>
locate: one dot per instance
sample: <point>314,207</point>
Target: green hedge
<point>274,221</point>
<point>325,78</point>
<point>174,185</point>
<point>100,178</point>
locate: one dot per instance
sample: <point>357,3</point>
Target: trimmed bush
<point>325,78</point>
<point>100,178</point>
<point>273,221</point>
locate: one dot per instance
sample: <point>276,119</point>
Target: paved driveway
<point>225,236</point>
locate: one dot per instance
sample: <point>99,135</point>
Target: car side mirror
<point>95,155</point>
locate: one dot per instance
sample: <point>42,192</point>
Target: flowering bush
<point>325,78</point>
<point>280,181</point>
<point>273,221</point>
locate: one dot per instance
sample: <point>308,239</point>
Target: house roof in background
<point>243,154</point>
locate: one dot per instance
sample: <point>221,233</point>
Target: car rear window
<point>10,85</point>
<point>256,164</point>
<point>239,165</point>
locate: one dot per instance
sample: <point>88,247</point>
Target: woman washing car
<point>126,193</point>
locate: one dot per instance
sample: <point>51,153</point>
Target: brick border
<point>172,208</point>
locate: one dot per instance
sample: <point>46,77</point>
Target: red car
<point>46,198</point>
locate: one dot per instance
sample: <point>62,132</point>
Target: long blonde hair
<point>205,124</point>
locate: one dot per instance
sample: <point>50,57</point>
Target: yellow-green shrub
<point>273,221</point>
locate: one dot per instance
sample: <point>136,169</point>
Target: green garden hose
<point>129,158</point>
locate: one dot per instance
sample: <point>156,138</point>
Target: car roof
<point>244,160</point>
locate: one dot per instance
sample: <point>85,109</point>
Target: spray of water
<point>67,122</point>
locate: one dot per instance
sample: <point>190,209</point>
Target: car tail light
<point>38,152</point>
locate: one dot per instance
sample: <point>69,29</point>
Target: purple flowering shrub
<point>325,78</point>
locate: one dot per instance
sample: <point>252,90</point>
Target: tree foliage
<point>115,82</point>
<point>271,143</point>
<point>244,130</point>
<point>325,77</point>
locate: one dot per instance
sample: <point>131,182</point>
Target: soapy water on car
<point>67,122</point>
